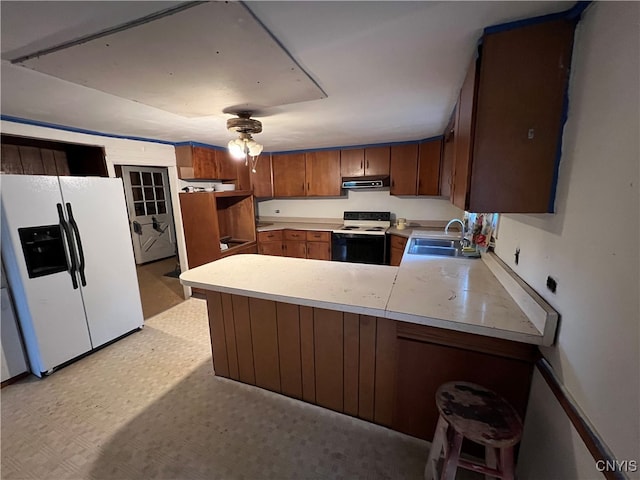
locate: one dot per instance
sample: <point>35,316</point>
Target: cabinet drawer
<point>270,236</point>
<point>398,242</point>
<point>295,235</point>
<point>318,236</point>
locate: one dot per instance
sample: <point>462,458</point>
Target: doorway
<point>148,199</point>
<point>150,213</point>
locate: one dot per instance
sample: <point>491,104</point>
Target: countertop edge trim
<point>466,328</point>
<point>361,310</point>
<point>540,313</point>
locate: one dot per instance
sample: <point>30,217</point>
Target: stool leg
<point>506,463</point>
<point>439,437</point>
<point>451,460</point>
<point>491,459</point>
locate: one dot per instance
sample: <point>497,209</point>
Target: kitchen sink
<point>433,246</point>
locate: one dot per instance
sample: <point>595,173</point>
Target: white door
<point>49,308</point>
<point>150,213</point>
<point>110,285</point>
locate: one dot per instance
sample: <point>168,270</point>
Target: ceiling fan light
<point>255,148</point>
<point>236,149</point>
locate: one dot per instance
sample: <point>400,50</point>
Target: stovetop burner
<point>369,223</point>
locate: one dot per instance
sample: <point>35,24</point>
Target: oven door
<point>358,248</point>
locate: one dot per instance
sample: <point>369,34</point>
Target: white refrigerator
<point>69,261</point>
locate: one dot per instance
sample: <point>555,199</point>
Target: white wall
<point>119,151</point>
<point>413,208</point>
<point>590,246</point>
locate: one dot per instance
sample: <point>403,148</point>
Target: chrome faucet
<point>454,220</point>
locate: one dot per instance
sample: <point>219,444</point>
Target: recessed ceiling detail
<point>193,63</point>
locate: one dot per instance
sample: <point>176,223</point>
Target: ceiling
<point>390,70</point>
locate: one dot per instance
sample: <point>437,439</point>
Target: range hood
<point>365,182</point>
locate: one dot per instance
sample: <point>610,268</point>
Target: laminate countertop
<point>321,227</point>
<point>452,293</point>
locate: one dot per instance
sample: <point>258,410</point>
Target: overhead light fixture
<point>245,147</point>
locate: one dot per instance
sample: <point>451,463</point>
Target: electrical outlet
<point>552,284</point>
<point>277,211</point>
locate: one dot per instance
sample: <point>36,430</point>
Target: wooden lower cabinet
<point>377,369</point>
<point>270,243</point>
<point>397,244</point>
<point>295,249</point>
<point>296,243</point>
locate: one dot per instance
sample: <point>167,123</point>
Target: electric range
<point>361,239</point>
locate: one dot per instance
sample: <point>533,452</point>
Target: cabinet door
<point>376,160</point>
<point>295,249</point>
<point>48,161</point>
<point>429,168</point>
<point>270,248</point>
<point>464,128</point>
<point>200,224</point>
<point>289,175</point>
<point>11,160</point>
<point>261,180</point>
<point>243,179</point>
<point>31,160</point>
<point>323,173</point>
<point>225,166</point>
<point>446,167</point>
<point>398,245</point>
<point>203,162</point>
<point>352,162</point>
<point>319,250</point>
<point>519,117</point>
<point>404,169</point>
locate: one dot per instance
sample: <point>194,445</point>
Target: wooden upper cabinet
<point>446,166</point>
<point>203,160</point>
<point>463,139</point>
<point>312,174</point>
<point>429,167</point>
<point>352,162</point>
<point>509,121</point>
<point>377,160</point>
<point>323,173</point>
<point>289,178</point>
<point>226,167</point>
<point>11,160</point>
<point>243,177</point>
<point>358,162</point>
<point>261,180</point>
<point>404,166</point>
<point>205,163</point>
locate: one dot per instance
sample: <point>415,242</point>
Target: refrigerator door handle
<point>76,234</point>
<point>72,253</point>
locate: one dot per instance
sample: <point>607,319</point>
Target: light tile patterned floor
<point>149,407</point>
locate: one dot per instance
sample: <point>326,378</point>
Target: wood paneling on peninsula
<point>380,370</point>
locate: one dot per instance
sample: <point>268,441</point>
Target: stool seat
<point>474,412</point>
<point>479,414</point>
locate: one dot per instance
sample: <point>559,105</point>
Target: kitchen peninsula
<point>370,341</point>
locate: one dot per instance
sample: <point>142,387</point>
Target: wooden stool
<point>471,411</point>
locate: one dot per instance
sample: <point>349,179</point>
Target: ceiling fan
<point>245,147</point>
